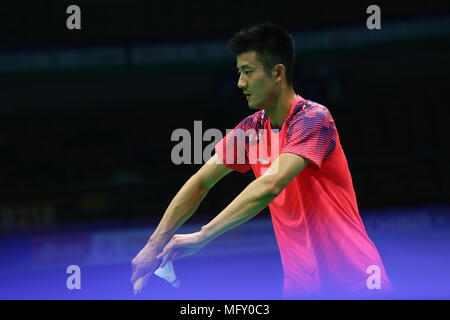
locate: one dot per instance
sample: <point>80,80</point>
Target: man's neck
<point>279,110</point>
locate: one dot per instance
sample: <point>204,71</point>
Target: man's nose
<point>241,84</point>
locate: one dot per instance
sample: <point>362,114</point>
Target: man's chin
<point>254,107</point>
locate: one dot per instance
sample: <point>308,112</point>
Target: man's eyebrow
<point>244,66</point>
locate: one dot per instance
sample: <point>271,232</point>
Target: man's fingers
<point>167,254</point>
<point>146,278</point>
<point>133,272</point>
<point>162,254</point>
<point>137,287</point>
<point>165,259</point>
<point>176,254</point>
<point>140,283</point>
<point>167,249</point>
<point>139,272</point>
<point>136,275</point>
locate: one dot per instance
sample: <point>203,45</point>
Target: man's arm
<point>188,199</point>
<point>181,208</point>
<point>255,197</point>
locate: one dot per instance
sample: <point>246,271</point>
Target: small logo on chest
<point>263,161</point>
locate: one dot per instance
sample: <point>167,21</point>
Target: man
<point>304,179</point>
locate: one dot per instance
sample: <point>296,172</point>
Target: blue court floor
<point>242,264</point>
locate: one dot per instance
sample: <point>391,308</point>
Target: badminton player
<point>306,181</point>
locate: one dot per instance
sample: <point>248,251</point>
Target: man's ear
<point>278,71</point>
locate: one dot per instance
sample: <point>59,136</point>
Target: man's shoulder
<point>254,120</point>
<point>311,109</point>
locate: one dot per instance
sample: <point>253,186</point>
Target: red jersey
<point>323,243</point>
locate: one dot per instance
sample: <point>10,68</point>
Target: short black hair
<point>272,44</point>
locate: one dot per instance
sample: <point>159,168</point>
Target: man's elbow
<point>199,183</point>
<point>270,187</point>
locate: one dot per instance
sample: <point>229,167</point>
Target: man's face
<point>258,87</point>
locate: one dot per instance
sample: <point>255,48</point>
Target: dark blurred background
<point>86,116</point>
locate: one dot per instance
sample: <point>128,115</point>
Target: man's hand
<point>180,209</point>
<point>182,245</point>
<point>144,264</point>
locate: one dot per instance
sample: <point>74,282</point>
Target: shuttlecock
<point>167,273</point>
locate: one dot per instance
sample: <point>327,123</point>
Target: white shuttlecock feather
<point>167,273</point>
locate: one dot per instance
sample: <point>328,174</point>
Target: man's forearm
<point>255,197</point>
<point>181,208</point>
